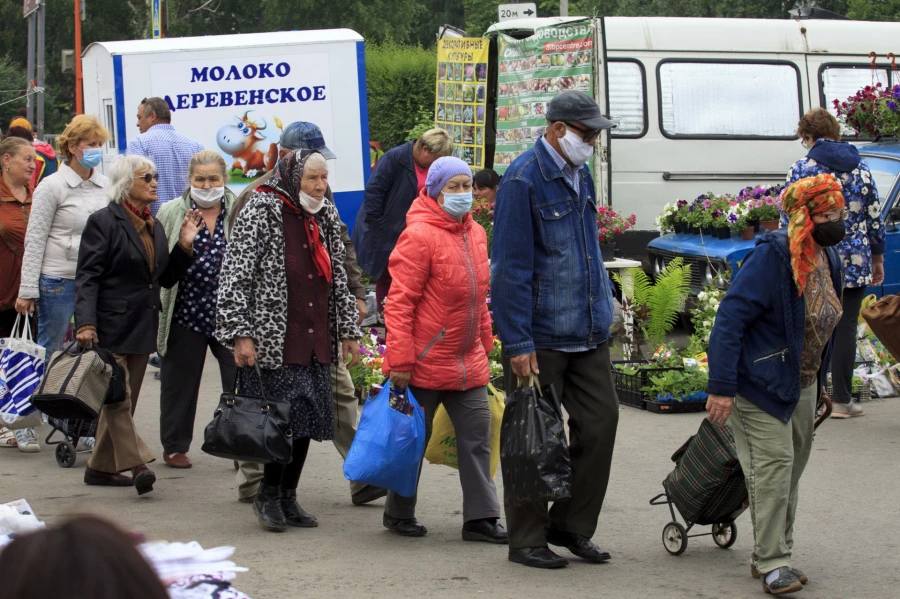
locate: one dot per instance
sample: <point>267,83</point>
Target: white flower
<point>701,296</point>
<point>708,323</point>
<point>713,302</point>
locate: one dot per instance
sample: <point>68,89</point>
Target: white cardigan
<point>60,208</point>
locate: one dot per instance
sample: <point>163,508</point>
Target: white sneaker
<point>27,440</point>
<point>846,410</point>
<point>87,442</point>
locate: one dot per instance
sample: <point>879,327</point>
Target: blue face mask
<point>457,204</point>
<point>91,157</point>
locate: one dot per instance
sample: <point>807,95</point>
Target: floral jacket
<point>252,300</point>
<point>865,226</point>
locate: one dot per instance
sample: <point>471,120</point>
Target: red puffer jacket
<point>436,313</point>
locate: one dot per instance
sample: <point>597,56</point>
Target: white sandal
<point>8,438</point>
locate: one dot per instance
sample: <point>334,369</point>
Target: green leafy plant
<point>678,384</point>
<point>653,307</point>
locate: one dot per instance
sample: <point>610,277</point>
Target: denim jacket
<point>549,288</point>
<point>757,341</point>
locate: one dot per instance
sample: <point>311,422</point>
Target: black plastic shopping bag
<point>534,455</point>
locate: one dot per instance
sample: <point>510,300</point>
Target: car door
<point>885,171</point>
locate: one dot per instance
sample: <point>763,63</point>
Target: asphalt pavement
<point>846,537</point>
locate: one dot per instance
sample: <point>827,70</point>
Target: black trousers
<point>844,355</point>
<point>180,374</point>
<point>584,383</point>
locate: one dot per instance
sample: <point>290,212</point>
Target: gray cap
<point>576,106</point>
<point>302,135</point>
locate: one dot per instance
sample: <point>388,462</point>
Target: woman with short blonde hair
<point>188,322</point>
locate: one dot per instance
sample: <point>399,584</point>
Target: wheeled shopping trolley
<point>72,431</point>
<point>707,486</point>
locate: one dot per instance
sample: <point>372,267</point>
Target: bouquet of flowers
<point>612,224</point>
<point>368,371</point>
<point>874,111</point>
<point>764,201</point>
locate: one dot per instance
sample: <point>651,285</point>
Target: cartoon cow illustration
<point>244,142</point>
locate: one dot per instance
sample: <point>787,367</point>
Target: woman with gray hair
<point>123,259</point>
<point>188,325</point>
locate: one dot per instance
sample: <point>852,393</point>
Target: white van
<point>710,104</point>
<point>235,93</point>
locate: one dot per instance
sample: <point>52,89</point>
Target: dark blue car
<point>711,257</point>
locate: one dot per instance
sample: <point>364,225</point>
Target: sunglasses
<point>843,215</point>
<point>586,135</point>
<point>149,177</point>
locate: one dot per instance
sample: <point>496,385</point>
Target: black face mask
<point>830,233</point>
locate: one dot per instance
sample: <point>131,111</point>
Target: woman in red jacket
<point>439,337</point>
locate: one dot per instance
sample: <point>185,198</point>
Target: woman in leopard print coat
<point>284,304</point>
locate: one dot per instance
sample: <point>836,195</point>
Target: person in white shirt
<point>60,208</point>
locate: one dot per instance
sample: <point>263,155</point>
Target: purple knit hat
<point>443,170</point>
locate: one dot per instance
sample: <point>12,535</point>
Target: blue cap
<point>302,135</point>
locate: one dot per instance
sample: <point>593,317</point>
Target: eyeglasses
<point>149,177</point>
<point>843,215</point>
<point>586,134</point>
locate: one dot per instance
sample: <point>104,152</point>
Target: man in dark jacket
<point>398,178</point>
<point>553,307</point>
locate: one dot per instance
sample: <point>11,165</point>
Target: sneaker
<point>846,410</point>
<point>87,442</point>
<point>27,440</point>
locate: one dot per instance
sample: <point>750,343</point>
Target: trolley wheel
<point>65,454</point>
<point>724,534</point>
<point>674,538</point>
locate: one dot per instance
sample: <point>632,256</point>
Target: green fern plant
<point>654,307</point>
<point>666,300</point>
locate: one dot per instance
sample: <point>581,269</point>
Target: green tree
<point>874,10</point>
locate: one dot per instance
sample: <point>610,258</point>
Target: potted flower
<point>682,212</point>
<point>483,213</point>
<point>873,111</point>
<point>665,222</point>
<point>703,213</point>
<point>765,205</point>
<point>738,218</point>
<point>611,224</point>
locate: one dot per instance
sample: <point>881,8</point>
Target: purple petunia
<point>732,218</point>
<point>896,92</point>
<point>892,105</point>
<point>364,350</point>
<point>682,203</point>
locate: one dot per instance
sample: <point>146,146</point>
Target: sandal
<point>7,438</point>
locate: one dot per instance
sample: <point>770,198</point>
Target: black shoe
<point>143,479</point>
<point>106,479</point>
<point>406,527</point>
<point>267,507</point>
<point>578,545</point>
<point>367,494</point>
<point>293,513</point>
<point>785,583</point>
<point>537,557</point>
<point>487,530</point>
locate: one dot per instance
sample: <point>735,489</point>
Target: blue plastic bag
<point>388,445</point>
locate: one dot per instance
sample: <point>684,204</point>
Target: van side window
<point>627,98</point>
<point>729,99</point>
<point>109,115</point>
<point>839,82</point>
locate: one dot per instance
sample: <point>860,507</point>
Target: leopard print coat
<point>252,299</point>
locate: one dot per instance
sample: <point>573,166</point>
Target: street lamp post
<point>79,96</point>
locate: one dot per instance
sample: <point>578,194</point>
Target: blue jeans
<point>55,309</point>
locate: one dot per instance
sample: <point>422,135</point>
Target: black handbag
<point>250,429</point>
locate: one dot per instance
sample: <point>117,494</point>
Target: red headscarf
<point>800,201</point>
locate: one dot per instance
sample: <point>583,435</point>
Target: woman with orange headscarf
<point>768,355</point>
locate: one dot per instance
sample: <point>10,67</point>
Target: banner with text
<point>531,71</point>
<point>462,95</point>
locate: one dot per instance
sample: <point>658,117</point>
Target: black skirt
<point>307,388</point>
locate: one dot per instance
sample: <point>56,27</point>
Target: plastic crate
<point>628,386</point>
<point>674,407</point>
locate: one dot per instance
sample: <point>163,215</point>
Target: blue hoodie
<point>757,341</point>
<point>865,227</point>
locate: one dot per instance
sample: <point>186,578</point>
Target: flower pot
<point>769,225</point>
<point>748,234</point>
<point>755,224</point>
<point>694,230</point>
<point>723,232</point>
<point>608,251</point>
<point>676,228</point>
<point>707,231</point>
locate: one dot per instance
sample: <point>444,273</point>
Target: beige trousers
<point>346,417</point>
<point>118,445</point>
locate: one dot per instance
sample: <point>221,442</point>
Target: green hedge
<point>400,83</point>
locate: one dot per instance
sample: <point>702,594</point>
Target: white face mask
<point>311,204</point>
<point>576,149</point>
<point>207,198</point>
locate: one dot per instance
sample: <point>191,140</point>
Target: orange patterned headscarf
<point>800,201</point>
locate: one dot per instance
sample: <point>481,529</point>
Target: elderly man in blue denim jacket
<point>553,307</point>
